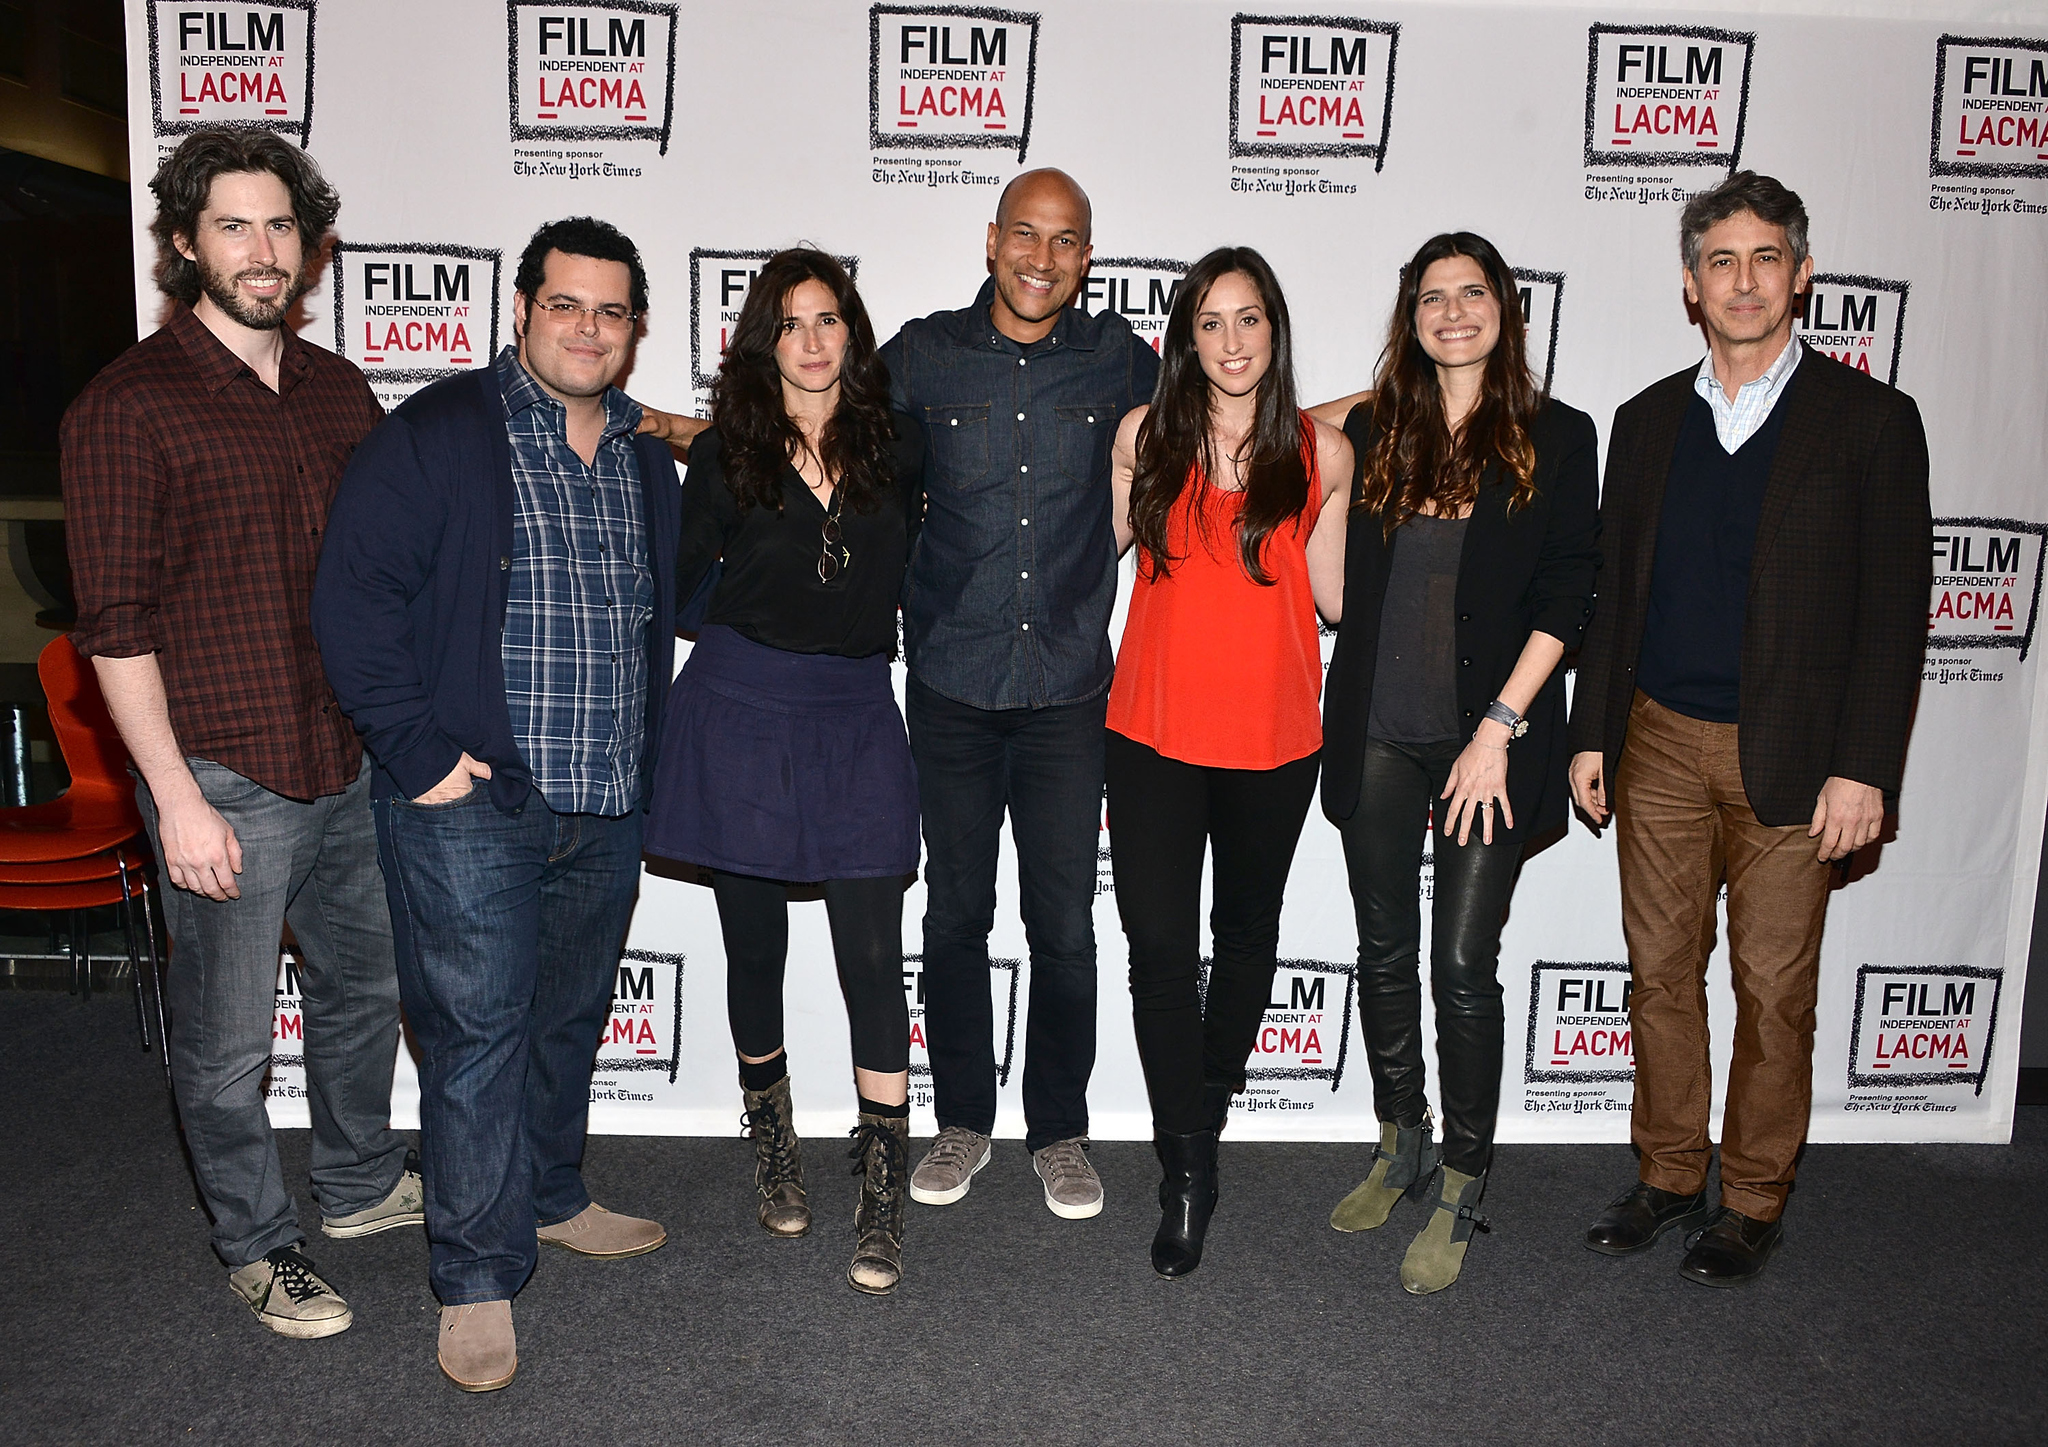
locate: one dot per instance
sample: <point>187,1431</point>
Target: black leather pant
<point>1383,855</point>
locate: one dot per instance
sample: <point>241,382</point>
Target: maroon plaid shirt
<point>194,502</point>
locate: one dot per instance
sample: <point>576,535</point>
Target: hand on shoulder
<point>1336,410</point>
<point>671,427</point>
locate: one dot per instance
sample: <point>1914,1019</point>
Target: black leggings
<point>867,942</point>
<point>1163,816</point>
<point>1383,855</point>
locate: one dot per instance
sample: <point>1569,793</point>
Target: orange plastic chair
<point>123,884</point>
<point>84,849</point>
<point>98,811</point>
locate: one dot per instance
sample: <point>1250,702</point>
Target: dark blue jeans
<point>509,928</point>
<point>1044,766</point>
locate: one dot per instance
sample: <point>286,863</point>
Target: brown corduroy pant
<point>1683,824</point>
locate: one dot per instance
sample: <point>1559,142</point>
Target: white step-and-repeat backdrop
<point>1335,142</point>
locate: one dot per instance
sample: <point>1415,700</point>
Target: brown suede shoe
<point>594,1231</point>
<point>478,1351</point>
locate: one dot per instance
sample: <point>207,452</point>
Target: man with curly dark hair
<point>197,472</point>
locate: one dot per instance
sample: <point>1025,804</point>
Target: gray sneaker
<point>948,1168</point>
<point>289,1297</point>
<point>1072,1189</point>
<point>405,1206</point>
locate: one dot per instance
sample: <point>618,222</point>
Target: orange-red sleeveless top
<point>1215,669</point>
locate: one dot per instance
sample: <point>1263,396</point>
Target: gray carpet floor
<point>1909,1303</point>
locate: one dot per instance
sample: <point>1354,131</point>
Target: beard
<point>252,312</point>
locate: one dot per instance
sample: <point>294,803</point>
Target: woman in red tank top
<point>1236,502</point>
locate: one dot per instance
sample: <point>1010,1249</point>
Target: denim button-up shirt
<point>1008,597</point>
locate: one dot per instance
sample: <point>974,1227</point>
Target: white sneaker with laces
<point>289,1297</point>
<point>1072,1189</point>
<point>948,1168</point>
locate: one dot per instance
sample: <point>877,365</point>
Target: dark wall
<point>67,304</point>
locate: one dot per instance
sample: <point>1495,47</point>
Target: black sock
<point>894,1112</point>
<point>758,1077</point>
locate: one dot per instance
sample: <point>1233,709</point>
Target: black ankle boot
<point>1187,1199</point>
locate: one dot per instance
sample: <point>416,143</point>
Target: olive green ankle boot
<point>1401,1166</point>
<point>1435,1256</point>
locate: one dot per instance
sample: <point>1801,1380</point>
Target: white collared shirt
<point>1735,422</point>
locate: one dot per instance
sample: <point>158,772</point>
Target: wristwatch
<point>1500,713</point>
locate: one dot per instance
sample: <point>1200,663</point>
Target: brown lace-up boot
<point>778,1161</point>
<point>881,1153</point>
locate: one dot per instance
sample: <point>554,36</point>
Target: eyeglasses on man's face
<point>569,313</point>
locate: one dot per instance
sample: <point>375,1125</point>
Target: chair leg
<point>134,956</point>
<point>156,977</point>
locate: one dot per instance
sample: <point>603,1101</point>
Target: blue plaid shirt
<point>581,599</point>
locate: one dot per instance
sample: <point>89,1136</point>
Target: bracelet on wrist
<point>1514,723</point>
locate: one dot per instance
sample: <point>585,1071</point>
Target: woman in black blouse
<point>783,754</point>
<point>1469,569</point>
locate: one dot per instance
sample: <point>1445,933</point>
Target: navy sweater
<point>1699,585</point>
<point>409,602</point>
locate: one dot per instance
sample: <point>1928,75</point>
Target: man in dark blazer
<point>1746,687</point>
<point>496,605</point>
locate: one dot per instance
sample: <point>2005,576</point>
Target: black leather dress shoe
<point>1732,1250</point>
<point>1642,1213</point>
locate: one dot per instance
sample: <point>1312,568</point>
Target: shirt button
<point>1091,419</point>
<point>1023,522</point>
<point>1027,627</point>
<point>1464,663</point>
<point>1025,468</point>
<point>1023,361</point>
<point>1025,574</point>
<point>504,563</point>
<point>956,421</point>
<point>1020,416</point>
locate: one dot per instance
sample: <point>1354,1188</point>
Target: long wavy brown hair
<point>1174,441</point>
<point>746,401</point>
<point>1416,463</point>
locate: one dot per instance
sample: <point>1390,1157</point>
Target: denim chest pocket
<point>959,442</point>
<point>1084,434</point>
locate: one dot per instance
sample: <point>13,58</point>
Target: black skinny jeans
<point>1399,787</point>
<point>1163,815</point>
<point>866,916</point>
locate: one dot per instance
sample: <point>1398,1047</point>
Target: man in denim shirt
<point>1006,620</point>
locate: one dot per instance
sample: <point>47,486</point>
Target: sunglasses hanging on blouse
<point>834,558</point>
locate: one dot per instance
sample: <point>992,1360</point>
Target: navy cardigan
<point>409,604</point>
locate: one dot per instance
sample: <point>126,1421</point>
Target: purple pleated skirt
<point>791,766</point>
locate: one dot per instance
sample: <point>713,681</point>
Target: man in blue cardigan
<point>496,609</point>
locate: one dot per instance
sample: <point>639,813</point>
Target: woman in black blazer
<point>1469,572</point>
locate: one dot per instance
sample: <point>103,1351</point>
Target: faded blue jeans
<point>315,865</point>
<point>509,930</point>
